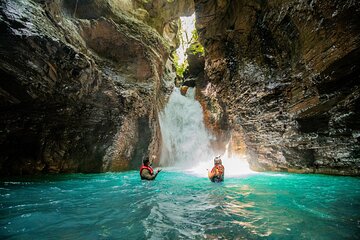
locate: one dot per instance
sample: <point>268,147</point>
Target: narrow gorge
<point>179,119</point>
<point>83,83</point>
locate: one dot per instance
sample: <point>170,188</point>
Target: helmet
<point>217,160</point>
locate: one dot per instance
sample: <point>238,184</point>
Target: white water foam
<point>185,138</point>
<point>186,142</point>
<point>235,165</point>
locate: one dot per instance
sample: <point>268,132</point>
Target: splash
<point>235,165</point>
<point>186,142</point>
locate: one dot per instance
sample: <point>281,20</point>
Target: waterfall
<point>186,141</point>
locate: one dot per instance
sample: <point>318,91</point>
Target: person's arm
<point>146,174</point>
<point>211,174</point>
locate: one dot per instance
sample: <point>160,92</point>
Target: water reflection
<point>234,211</point>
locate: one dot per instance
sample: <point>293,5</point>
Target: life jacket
<point>220,176</point>
<point>148,168</point>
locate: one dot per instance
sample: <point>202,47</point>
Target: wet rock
<point>286,75</point>
<point>196,61</point>
<point>189,83</point>
<point>162,12</point>
<point>183,90</point>
<point>81,86</point>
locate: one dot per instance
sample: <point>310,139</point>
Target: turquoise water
<point>180,206</point>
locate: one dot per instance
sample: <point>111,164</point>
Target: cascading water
<point>186,142</point>
<point>185,139</point>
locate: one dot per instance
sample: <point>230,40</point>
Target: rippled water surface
<point>180,206</point>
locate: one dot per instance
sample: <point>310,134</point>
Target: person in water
<point>147,172</point>
<point>217,172</point>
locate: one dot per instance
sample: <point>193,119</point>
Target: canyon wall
<point>82,82</point>
<point>284,75</point>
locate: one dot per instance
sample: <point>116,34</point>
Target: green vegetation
<point>191,45</point>
<point>195,46</point>
<point>180,68</point>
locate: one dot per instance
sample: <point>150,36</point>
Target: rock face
<point>285,75</point>
<point>81,84</point>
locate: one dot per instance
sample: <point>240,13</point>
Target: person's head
<point>217,160</point>
<point>147,162</point>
